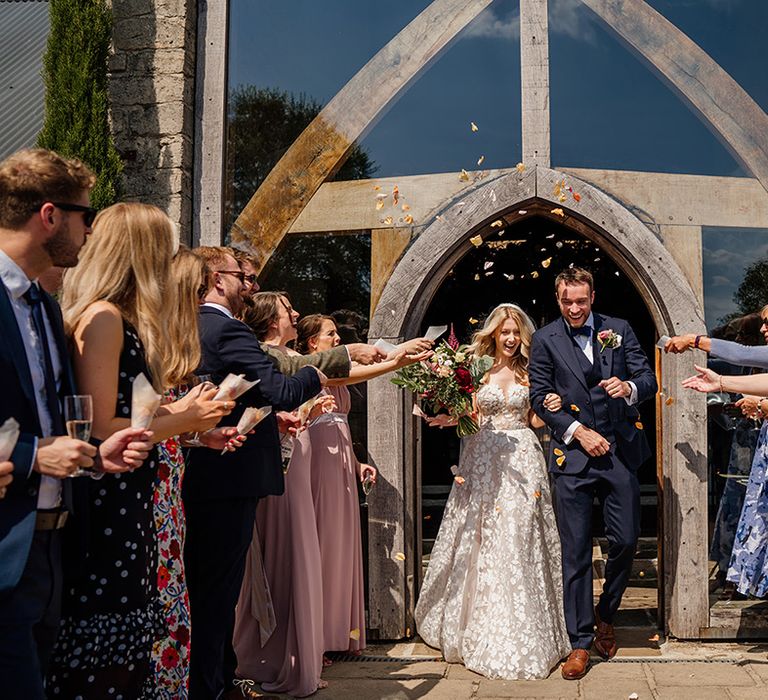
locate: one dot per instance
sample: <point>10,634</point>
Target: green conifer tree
<point>76,98</point>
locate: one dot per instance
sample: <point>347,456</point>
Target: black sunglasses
<point>239,273</point>
<point>89,213</point>
<point>251,279</point>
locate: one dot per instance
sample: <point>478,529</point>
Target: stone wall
<point>152,92</point>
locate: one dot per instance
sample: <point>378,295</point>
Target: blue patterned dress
<point>749,562</point>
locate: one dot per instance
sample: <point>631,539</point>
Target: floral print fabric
<point>492,597</point>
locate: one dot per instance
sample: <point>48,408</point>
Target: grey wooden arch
<point>392,431</point>
<point>323,146</point>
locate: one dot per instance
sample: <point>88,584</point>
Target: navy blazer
<point>554,367</point>
<point>17,400</point>
<point>255,469</point>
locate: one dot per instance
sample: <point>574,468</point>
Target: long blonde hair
<point>127,262</point>
<point>186,283</point>
<point>484,341</point>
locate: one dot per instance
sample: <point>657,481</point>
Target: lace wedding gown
<point>492,597</point>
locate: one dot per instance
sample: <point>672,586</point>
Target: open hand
<point>705,380</point>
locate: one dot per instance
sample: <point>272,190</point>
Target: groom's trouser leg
<point>619,493</point>
<point>574,496</point>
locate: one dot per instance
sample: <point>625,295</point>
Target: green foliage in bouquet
<point>447,382</point>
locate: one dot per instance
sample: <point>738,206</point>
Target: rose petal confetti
<point>454,469</point>
<point>477,277</point>
<point>395,195</point>
<point>654,638</point>
<point>400,556</point>
<point>497,224</point>
<point>473,126</point>
<point>354,634</point>
<point>388,221</point>
<point>489,273</point>
<point>560,461</point>
<point>379,204</point>
<point>377,187</point>
<point>523,212</point>
<point>488,265</point>
<point>408,219</point>
<point>473,321</point>
<point>476,241</point>
<point>480,160</point>
<point>509,277</point>
<point>558,211</point>
<point>520,167</point>
<point>633,696</point>
<point>459,479</point>
<point>559,244</point>
<point>639,425</point>
<point>577,196</point>
<point>547,262</point>
<point>464,177</point>
<point>669,401</point>
<point>427,517</point>
<point>537,494</point>
<point>575,408</point>
<point>558,452</point>
<point>406,207</point>
<point>535,274</point>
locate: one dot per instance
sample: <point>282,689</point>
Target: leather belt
<point>51,519</point>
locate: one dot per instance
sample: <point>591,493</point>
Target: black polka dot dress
<point>112,614</point>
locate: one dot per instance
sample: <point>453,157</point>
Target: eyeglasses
<point>89,213</point>
<point>250,279</point>
<point>238,273</point>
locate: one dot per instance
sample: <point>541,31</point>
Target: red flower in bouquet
<point>181,633</point>
<point>464,379</point>
<point>169,658</point>
<point>163,577</point>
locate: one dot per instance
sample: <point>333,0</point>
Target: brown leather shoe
<point>605,638</point>
<point>576,665</point>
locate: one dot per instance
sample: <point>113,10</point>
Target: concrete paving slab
<point>610,671</point>
<point>693,693</point>
<point>761,669</point>
<point>386,669</point>
<point>460,672</point>
<point>747,693</point>
<point>423,689</point>
<point>598,689</point>
<point>700,675</point>
<point>552,687</point>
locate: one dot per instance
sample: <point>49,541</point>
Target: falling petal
<point>395,195</point>
<point>473,321</point>
<point>509,277</point>
<point>476,241</point>
<point>493,196</point>
<point>406,207</point>
<point>639,425</point>
<point>558,211</point>
<point>477,278</point>
<point>597,259</point>
<point>654,638</point>
<point>354,634</point>
<point>497,224</point>
<point>537,494</point>
<point>388,221</point>
<point>382,195</point>
<point>427,517</point>
<point>669,401</point>
<point>488,265</point>
<point>575,408</point>
<point>577,196</point>
<point>535,274</point>
<point>562,198</point>
<point>616,273</point>
<point>560,461</point>
<point>559,244</point>
<point>546,263</point>
<point>558,452</point>
<point>377,187</point>
<point>400,556</point>
<point>551,235</point>
<point>480,160</point>
<point>408,219</point>
<point>454,469</point>
<point>459,479</point>
<point>464,177</point>
<point>523,212</point>
<point>473,126</point>
<point>379,204</point>
<point>489,273</point>
<point>520,167</point>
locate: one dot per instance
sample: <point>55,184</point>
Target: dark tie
<point>584,330</point>
<point>34,298</point>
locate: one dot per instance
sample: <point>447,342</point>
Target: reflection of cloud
<point>722,256</point>
<point>720,281</point>
<point>567,17</point>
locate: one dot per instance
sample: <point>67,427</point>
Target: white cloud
<point>720,281</point>
<point>489,26</point>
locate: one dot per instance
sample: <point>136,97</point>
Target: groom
<point>596,365</point>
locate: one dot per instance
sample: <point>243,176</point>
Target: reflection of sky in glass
<point>610,110</point>
<point>726,253</point>
<point>732,32</point>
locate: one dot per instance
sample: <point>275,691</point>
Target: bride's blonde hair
<point>127,262</point>
<point>484,340</point>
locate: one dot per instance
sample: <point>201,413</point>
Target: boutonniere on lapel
<point>609,338</point>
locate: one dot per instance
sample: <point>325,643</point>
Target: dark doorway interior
<point>518,263</point>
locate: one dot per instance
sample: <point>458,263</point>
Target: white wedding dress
<point>492,597</point>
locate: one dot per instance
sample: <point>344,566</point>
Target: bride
<point>492,596</point>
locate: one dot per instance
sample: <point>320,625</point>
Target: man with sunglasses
<point>45,218</point>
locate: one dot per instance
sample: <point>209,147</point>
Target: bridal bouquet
<point>447,381</point>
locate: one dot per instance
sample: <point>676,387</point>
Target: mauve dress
<point>337,509</point>
<point>290,661</point>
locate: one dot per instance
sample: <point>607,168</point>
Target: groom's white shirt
<point>585,344</point>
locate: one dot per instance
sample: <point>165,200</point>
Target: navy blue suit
<point>30,567</point>
<point>559,366</point>
<point>221,491</point>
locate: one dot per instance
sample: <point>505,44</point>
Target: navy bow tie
<point>584,330</point>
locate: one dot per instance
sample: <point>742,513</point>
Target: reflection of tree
<point>263,123</point>
<point>322,272</point>
<point>752,293</point>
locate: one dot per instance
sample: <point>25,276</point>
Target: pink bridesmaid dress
<point>281,645</point>
<point>337,508</point>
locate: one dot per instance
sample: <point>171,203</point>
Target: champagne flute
<point>78,418</point>
<point>367,486</point>
<point>195,441</point>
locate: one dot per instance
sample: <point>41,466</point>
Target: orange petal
<point>639,425</point>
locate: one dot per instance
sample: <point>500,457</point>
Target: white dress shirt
<point>587,347</point>
<point>17,283</point>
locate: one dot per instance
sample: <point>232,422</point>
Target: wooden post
<point>387,245</point>
<point>684,242</point>
<point>210,122</point>
<point>534,81</point>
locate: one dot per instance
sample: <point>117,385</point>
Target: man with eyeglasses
<point>45,218</point>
